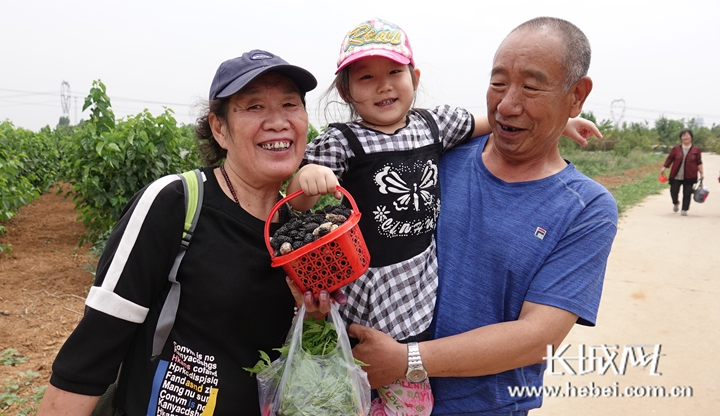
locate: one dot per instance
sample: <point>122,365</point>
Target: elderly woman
<point>232,302</point>
<point>686,162</point>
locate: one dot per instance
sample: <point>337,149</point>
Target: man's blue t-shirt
<point>500,244</point>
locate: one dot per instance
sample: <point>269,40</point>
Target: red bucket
<point>328,263</point>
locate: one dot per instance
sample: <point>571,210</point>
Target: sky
<point>650,58</point>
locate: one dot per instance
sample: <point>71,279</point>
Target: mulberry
<point>306,227</point>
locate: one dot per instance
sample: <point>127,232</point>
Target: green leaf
<point>99,147</point>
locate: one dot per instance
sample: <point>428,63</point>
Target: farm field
<point>42,289</point>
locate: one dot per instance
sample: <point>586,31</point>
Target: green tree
<point>109,161</point>
<point>668,131</point>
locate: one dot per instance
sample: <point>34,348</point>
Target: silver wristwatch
<point>416,371</point>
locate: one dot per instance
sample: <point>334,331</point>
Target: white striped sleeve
<point>103,298</point>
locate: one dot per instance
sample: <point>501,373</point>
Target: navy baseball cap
<point>234,74</point>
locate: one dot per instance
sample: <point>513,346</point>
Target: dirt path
<point>661,288</point>
<point>42,292</point>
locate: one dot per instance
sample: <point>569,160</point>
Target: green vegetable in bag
<point>318,338</point>
<point>319,377</point>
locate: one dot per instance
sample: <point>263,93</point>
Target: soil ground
<point>660,289</point>
<point>43,284</point>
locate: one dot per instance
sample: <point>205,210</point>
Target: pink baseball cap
<point>375,37</point>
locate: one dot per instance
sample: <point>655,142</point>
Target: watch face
<point>416,375</point>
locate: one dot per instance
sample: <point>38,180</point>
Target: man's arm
<point>487,350</point>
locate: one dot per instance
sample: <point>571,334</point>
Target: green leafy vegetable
<point>319,338</point>
<point>318,381</point>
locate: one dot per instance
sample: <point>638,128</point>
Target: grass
<point>633,189</point>
<point>11,357</point>
<point>603,163</point>
<point>18,394</point>
<point>629,194</point>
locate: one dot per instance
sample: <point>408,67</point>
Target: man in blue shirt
<point>523,237</point>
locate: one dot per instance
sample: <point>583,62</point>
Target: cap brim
<point>304,80</point>
<point>393,56</point>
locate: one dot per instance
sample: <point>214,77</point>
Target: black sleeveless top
<point>398,194</point>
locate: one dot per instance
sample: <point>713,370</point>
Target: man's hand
<point>386,357</point>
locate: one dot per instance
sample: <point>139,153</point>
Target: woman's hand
<point>579,130</point>
<point>315,308</point>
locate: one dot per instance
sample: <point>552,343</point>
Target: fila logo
<point>540,233</point>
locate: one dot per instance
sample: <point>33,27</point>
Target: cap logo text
<point>366,34</point>
<point>258,56</point>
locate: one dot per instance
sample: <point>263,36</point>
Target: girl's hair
<point>341,86</point>
<point>210,150</point>
<point>688,131</point>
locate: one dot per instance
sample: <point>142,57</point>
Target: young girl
<point>387,159</point>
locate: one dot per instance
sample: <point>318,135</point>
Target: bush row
<point>28,167</point>
<point>106,161</point>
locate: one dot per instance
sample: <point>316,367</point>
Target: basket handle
<point>289,197</point>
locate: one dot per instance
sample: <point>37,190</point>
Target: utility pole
<point>617,111</point>
<point>65,100</point>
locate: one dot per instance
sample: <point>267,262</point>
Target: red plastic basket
<point>328,263</point>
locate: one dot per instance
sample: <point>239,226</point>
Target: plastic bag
<point>314,385</point>
<point>701,192</point>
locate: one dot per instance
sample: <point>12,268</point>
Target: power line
<point>112,97</point>
<point>29,92</point>
<point>15,104</point>
<point>647,110</point>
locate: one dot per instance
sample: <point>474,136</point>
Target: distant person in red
<point>686,162</point>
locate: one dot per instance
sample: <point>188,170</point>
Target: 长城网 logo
<point>603,358</point>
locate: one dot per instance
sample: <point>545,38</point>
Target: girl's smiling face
<point>382,91</point>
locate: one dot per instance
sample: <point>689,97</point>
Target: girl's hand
<point>579,130</point>
<point>316,308</point>
<point>317,180</point>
